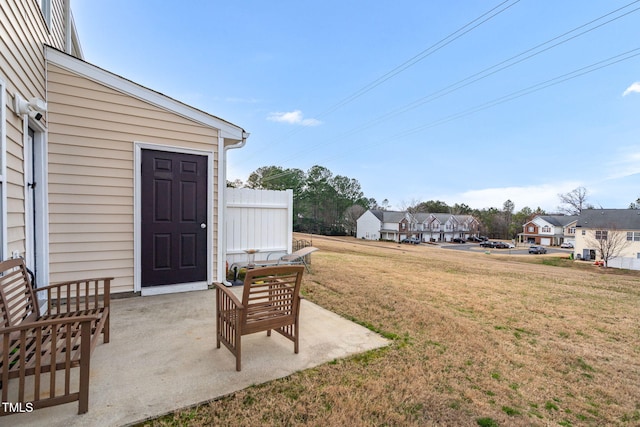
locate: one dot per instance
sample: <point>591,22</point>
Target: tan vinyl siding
<point>23,33</point>
<point>92,131</point>
<point>58,25</point>
<point>15,186</point>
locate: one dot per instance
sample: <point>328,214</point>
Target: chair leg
<point>269,333</point>
<point>106,330</point>
<point>238,345</point>
<point>238,356</point>
<point>85,368</point>
<point>217,331</point>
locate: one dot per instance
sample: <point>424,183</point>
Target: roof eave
<point>231,133</point>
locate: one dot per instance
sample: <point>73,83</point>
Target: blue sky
<point>470,102</point>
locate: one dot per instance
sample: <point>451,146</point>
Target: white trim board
<point>173,289</point>
<point>3,170</point>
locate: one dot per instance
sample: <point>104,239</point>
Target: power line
<point>505,98</point>
<point>520,93</point>
<point>485,73</point>
<point>465,29</point>
<point>422,55</point>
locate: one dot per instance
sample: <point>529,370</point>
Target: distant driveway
<point>518,250</point>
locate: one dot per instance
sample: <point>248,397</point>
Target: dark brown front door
<point>174,218</point>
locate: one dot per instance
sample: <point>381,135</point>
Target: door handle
<point>203,225</point>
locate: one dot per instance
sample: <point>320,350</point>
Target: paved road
<point>518,250</point>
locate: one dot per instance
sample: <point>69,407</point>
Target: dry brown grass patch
<point>475,337</point>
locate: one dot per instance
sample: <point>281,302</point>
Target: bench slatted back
<point>17,299</point>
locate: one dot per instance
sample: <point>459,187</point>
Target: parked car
<point>537,250</point>
<point>475,239</point>
<point>458,240</point>
<point>411,240</point>
<point>501,245</point>
<point>567,245</point>
<point>488,244</point>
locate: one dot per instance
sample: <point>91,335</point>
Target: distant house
<point>549,230</point>
<point>383,225</point>
<point>598,224</point>
<point>398,225</point>
<point>440,227</point>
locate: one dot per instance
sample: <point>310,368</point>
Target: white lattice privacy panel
<point>260,220</point>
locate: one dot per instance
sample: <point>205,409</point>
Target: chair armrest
<point>77,295</point>
<point>226,293</point>
<point>277,252</point>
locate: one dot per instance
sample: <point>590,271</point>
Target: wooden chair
<point>270,300</point>
<point>39,342</point>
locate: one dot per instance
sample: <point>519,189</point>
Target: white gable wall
<point>368,226</point>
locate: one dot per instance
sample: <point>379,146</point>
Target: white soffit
<point>121,84</point>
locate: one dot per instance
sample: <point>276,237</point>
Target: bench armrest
<point>43,342</point>
<point>25,326</point>
<point>44,347</point>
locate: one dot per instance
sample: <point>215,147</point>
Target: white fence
<point>258,219</point>
<point>625,262</point>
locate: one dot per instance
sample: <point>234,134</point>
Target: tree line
<point>324,203</point>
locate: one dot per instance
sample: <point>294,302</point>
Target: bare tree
<point>351,216</point>
<point>573,202</point>
<point>411,207</point>
<point>609,243</point>
<point>237,183</point>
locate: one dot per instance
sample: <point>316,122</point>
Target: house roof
<point>442,217</point>
<point>620,219</point>
<point>397,216</point>
<point>227,130</point>
<point>558,220</point>
<point>392,216</point>
<point>465,218</point>
<point>421,216</point>
<point>388,216</point>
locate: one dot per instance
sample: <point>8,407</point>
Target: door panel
<point>174,218</point>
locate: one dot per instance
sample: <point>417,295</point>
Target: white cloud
<point>635,87</point>
<point>293,117</point>
<point>544,196</point>
<point>625,163</point>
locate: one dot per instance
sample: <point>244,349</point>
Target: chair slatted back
<point>17,298</point>
<point>271,297</point>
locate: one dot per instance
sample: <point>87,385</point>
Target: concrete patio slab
<point>163,356</point>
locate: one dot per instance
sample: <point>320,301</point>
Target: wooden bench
<point>40,346</point>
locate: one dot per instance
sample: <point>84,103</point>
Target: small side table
<point>251,262</point>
